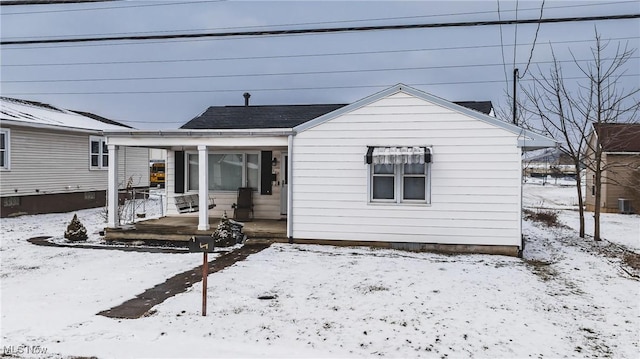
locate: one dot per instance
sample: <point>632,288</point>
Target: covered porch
<point>209,165</point>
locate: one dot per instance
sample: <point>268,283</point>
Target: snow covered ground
<point>564,299</point>
<point>561,195</point>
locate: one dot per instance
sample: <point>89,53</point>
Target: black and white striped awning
<point>398,155</point>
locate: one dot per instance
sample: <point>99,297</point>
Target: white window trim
<point>7,150</point>
<point>245,177</point>
<point>398,186</point>
<point>101,153</point>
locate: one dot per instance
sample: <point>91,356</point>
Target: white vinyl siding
<point>133,163</point>
<point>46,162</point>
<point>474,177</point>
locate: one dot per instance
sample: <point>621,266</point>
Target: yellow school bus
<point>156,174</point>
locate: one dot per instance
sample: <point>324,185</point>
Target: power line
<point>278,73</point>
<point>112,7</point>
<point>308,23</point>
<point>274,89</point>
<point>290,55</point>
<point>535,38</point>
<point>47,2</point>
<point>515,36</point>
<point>259,33</point>
<point>504,65</point>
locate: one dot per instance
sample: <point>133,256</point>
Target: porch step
<point>180,229</point>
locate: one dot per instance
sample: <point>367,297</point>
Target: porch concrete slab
<point>181,228</point>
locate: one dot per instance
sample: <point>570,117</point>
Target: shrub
<point>545,216</point>
<point>76,230</point>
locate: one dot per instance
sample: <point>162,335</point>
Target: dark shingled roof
<point>248,117</point>
<point>278,116</point>
<point>619,137</point>
<point>480,106</point>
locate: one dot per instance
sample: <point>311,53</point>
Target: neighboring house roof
<point>279,116</point>
<point>37,114</point>
<point>100,118</point>
<point>618,137</point>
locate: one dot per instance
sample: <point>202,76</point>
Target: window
<point>399,174</point>
<point>4,149</point>
<point>227,171</point>
<point>98,153</point>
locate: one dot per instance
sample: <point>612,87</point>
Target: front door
<point>284,177</point>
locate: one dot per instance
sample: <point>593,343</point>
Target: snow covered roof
<point>31,113</point>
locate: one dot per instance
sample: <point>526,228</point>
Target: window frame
<point>6,151</point>
<point>403,175</point>
<point>103,152</point>
<point>372,176</point>
<point>398,184</point>
<point>245,173</point>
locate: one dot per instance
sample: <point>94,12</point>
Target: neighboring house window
<point>4,149</point>
<point>227,171</point>
<point>98,153</point>
<point>399,174</point>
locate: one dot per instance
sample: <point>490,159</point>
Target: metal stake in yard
<point>205,245</point>
<point>205,274</point>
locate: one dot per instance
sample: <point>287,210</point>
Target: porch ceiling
<point>204,138</point>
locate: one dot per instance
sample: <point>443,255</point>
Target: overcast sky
<point>458,64</point>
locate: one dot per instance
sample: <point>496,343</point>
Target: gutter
<point>201,133</point>
<point>51,127</point>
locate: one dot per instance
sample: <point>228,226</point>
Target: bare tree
<point>569,117</point>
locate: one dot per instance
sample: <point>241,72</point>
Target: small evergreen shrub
<point>228,232</point>
<point>76,230</point>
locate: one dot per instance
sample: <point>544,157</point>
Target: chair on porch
<point>243,208</point>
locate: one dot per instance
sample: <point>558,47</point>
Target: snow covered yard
<point>565,299</point>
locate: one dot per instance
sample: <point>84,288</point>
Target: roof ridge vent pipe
<point>246,98</point>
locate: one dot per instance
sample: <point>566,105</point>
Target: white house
<point>55,160</point>
<point>400,168</point>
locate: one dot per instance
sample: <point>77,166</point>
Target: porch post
<point>203,188</point>
<point>290,188</point>
<point>112,188</point>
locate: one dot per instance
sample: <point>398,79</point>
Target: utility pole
<point>515,83</point>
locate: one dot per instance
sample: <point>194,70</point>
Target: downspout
<point>521,251</point>
<point>290,189</point>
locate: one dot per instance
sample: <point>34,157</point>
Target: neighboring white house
<point>55,160</point>
<point>401,167</point>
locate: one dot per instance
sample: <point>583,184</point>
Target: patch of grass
<point>544,216</point>
<point>632,260</point>
<point>541,268</point>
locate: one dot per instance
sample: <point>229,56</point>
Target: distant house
<point>548,162</point>
<point>620,145</point>
<point>55,160</point>
<point>400,168</point>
